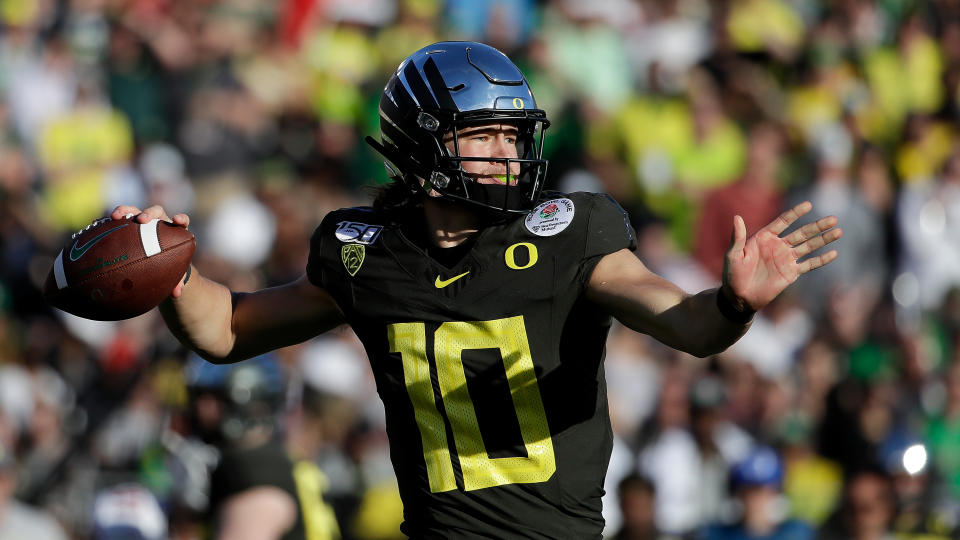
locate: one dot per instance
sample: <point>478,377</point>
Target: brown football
<point>118,269</point>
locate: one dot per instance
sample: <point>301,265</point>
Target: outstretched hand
<point>759,268</point>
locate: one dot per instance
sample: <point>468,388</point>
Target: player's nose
<point>503,148</point>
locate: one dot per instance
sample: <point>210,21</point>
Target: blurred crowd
<point>837,416</point>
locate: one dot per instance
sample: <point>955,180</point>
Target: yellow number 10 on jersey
<point>450,340</point>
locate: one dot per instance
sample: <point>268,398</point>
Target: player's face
<point>494,140</point>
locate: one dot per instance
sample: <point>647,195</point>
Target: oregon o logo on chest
<point>510,258</point>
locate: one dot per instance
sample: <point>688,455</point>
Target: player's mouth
<point>501,179</point>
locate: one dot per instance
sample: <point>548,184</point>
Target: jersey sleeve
<point>325,263</point>
<point>608,230</point>
<point>320,271</point>
<point>315,262</point>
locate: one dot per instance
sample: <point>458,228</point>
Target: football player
<point>484,304</point>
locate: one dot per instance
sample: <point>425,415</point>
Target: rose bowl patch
<point>550,217</point>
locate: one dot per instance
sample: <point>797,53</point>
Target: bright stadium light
<point>915,459</point>
<point>906,289</point>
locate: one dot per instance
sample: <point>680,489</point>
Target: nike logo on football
<point>77,251</point>
<point>441,283</point>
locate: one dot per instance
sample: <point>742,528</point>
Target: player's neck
<point>449,224</point>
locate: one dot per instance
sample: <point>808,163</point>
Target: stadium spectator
<point>942,431</point>
<point>128,512</point>
<point>866,511</point>
<point>256,489</point>
<point>924,508</point>
<point>756,196</point>
<point>832,187</point>
<point>637,496</point>
<point>17,520</point>
<point>756,482</point>
<point>927,211</point>
<point>688,458</point>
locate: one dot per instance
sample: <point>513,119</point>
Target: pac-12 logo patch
<point>352,256</point>
<point>551,217</point>
<point>357,233</point>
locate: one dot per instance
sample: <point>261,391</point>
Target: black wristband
<point>730,311</point>
<point>186,278</point>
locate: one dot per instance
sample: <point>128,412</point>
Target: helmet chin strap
<point>492,200</point>
<point>504,198</point>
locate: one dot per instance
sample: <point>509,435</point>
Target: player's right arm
<point>756,270</point>
<point>223,326</point>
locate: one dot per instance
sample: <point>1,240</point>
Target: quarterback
<point>484,303</point>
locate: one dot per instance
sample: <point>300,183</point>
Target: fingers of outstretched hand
<point>810,230</point>
<point>816,262</point>
<point>738,238</point>
<point>181,219</point>
<point>123,210</point>
<point>817,242</point>
<point>787,218</point>
<point>145,215</point>
<point>153,212</point>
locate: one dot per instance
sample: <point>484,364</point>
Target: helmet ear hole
<point>428,122</point>
<point>440,180</point>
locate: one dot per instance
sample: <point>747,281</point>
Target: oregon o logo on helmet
<point>517,103</point>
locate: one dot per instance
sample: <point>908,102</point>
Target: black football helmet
<point>447,86</point>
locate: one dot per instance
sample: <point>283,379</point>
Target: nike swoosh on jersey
<point>77,251</point>
<point>441,283</point>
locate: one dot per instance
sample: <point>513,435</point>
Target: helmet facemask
<point>518,185</point>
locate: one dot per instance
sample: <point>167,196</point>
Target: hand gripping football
<point>118,269</point>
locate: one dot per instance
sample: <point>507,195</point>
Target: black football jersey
<point>490,371</point>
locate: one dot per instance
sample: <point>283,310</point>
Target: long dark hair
<point>396,197</point>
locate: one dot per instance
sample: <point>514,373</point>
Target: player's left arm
<point>756,270</point>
